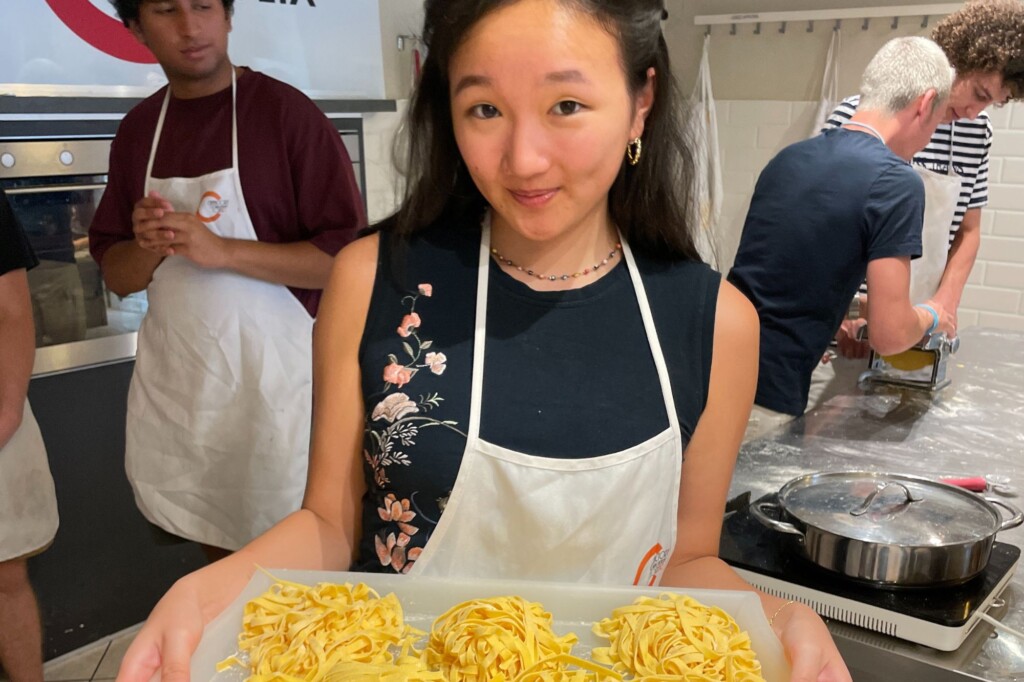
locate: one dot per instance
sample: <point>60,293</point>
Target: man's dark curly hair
<point>986,36</point>
<point>128,10</point>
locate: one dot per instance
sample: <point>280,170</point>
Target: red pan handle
<point>976,484</point>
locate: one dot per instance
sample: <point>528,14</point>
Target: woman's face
<point>542,116</point>
<point>973,92</point>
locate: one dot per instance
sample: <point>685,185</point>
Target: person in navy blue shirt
<point>828,210</point>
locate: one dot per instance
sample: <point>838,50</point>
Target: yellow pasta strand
<point>675,637</point>
<point>590,672</point>
<point>297,633</point>
<point>496,640</point>
<point>349,633</point>
<point>405,669</point>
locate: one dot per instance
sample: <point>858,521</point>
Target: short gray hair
<point>903,70</point>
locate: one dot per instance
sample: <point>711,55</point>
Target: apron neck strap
<point>952,125</point>
<point>868,128</point>
<point>163,116</point>
<point>480,334</point>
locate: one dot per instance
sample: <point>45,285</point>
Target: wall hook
<point>400,40</point>
<point>757,29</point>
<point>810,26</point>
<point>732,30</point>
<point>839,23</point>
<point>864,26</point>
<point>924,22</point>
<point>782,28</point>
<point>707,30</point>
<point>895,23</point>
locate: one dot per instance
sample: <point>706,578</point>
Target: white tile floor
<point>97,661</point>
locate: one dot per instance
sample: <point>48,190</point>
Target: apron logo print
<point>656,557</point>
<point>210,207</point>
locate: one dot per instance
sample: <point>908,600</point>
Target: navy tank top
<point>568,374</point>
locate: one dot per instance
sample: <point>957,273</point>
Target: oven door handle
<point>42,189</point>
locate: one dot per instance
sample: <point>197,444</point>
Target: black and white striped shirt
<point>971,141</point>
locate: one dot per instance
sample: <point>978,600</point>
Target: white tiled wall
<point>383,184</point>
<point>751,132</point>
<point>995,292</point>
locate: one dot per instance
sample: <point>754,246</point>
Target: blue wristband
<point>934,314</point>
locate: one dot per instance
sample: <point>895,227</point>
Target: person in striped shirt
<point>984,42</point>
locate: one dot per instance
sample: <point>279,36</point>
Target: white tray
<point>574,608</point>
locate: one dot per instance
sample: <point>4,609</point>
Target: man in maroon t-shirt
<point>229,195</point>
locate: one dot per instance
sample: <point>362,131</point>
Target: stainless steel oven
<point>54,188</point>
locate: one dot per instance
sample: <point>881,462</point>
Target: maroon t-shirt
<point>296,176</point>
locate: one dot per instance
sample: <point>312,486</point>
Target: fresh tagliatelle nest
<point>349,633</point>
<point>331,632</point>
<point>675,637</point>
<point>504,639</point>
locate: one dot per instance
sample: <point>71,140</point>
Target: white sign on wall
<point>324,47</point>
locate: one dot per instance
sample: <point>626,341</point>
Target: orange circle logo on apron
<point>210,207</point>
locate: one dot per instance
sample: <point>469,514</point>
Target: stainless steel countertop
<point>975,426</point>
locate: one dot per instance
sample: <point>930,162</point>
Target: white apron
<point>941,193</point>
<point>217,438</point>
<point>28,502</point>
<point>829,86</point>
<point>608,519</point>
<point>702,126</point>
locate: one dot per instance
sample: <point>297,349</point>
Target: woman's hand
<point>167,641</point>
<point>809,647</point>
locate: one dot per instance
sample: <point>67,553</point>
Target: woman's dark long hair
<point>647,202</point>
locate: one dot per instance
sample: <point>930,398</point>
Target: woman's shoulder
<point>675,270</point>
<point>353,274</point>
<point>735,314</point>
<point>437,246</point>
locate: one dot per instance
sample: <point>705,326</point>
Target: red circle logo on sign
<point>101,31</point>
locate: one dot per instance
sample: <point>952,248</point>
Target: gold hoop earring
<point>633,151</point>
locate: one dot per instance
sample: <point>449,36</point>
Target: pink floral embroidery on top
<point>410,323</point>
<point>436,362</point>
<point>390,547</point>
<point>393,408</point>
<point>398,375</point>
<point>395,421</point>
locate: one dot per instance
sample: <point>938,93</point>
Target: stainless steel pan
<point>891,529</point>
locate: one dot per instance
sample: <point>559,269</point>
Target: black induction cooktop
<point>748,544</point>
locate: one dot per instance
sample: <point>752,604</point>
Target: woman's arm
<point>707,471</point>
<point>321,535</point>
<point>18,346</point>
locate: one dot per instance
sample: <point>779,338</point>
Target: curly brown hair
<point>128,10</point>
<point>986,36</point>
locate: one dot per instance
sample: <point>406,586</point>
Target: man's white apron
<point>218,426</point>
<point>941,193</point>
<point>28,503</point>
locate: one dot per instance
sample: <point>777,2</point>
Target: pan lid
<point>892,509</point>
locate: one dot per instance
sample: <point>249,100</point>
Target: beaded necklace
<point>552,278</point>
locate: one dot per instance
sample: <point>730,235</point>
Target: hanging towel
<point>829,86</point>
<point>702,132</point>
<point>417,61</point>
